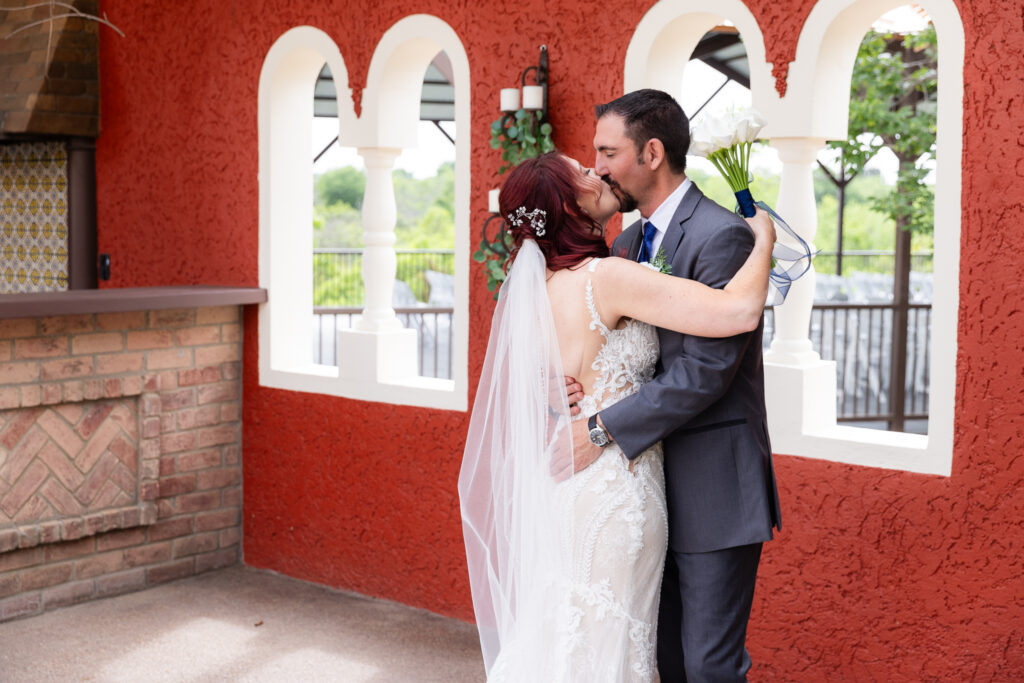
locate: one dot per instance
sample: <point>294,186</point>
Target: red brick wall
<point>120,454</point>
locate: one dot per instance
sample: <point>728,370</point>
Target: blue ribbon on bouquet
<point>790,264</point>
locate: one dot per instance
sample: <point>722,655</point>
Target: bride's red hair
<point>549,182</point>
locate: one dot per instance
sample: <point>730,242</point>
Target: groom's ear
<point>653,155</point>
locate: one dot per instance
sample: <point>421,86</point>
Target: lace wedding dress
<point>603,627</point>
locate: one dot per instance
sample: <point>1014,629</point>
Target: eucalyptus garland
<point>521,135</point>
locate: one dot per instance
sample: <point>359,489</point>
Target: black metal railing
<point>858,338</point>
<point>433,325</point>
<point>870,261</point>
<point>338,276</point>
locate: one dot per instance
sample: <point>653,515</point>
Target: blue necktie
<point>647,248</point>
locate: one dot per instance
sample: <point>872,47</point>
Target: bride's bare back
<point>578,342</point>
<point>623,289</point>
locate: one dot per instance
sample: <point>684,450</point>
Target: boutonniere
<point>660,261</point>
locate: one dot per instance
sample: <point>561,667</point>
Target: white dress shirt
<point>662,216</point>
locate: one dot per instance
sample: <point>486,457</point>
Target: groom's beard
<point>627,202</point>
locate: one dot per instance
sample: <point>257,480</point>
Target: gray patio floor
<point>238,624</point>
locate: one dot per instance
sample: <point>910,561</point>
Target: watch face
<point>598,437</point>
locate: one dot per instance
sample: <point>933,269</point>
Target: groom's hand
<point>575,392</point>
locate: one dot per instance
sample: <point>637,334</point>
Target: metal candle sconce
<point>533,97</point>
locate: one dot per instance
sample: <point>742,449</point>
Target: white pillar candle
<point>509,99</point>
<point>492,201</point>
<point>533,97</point>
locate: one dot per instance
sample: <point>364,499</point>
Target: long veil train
<point>518,546</point>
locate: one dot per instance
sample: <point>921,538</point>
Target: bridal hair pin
<point>537,217</point>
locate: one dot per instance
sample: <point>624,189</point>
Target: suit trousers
<point>702,619</point>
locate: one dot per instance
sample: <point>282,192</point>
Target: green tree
<point>337,225</point>
<point>414,199</point>
<point>425,209</point>
<point>434,230</point>
<point>892,105</point>
<point>345,185</point>
<point>765,186</point>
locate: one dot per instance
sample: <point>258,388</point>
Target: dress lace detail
<point>626,360</point>
<point>617,521</point>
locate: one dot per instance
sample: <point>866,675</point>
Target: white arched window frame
<point>377,358</point>
<point>800,387</point>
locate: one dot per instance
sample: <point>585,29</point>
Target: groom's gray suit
<point>706,403</point>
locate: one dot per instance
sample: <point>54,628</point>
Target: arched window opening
<point>816,358</point>
<point>363,328</point>
<point>424,186</point>
<point>876,193</point>
<point>339,180</point>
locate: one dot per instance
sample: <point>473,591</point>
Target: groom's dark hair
<point>653,114</point>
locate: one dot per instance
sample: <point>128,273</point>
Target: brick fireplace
<point>120,452</point>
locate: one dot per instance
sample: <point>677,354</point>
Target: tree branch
<point>73,12</point>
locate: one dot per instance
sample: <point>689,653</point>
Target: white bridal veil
<point>518,540</point>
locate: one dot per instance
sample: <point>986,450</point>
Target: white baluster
<point>379,261</point>
<point>800,388</point>
<point>378,348</point>
<point>791,344</point>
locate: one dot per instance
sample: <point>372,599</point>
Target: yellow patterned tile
<point>33,217</point>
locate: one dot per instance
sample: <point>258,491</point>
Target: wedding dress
<point>583,604</point>
<point>621,525</point>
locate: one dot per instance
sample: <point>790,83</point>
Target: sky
<point>699,83</point>
<point>434,149</point>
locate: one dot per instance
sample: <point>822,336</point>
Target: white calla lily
<point>748,125</point>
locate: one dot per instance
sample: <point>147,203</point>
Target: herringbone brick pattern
<point>120,453</point>
<point>69,459</point>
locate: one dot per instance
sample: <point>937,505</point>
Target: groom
<point>706,401</point>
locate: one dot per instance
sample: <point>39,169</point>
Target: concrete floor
<point>238,624</point>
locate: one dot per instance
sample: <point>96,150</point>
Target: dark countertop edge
<point>115,300</point>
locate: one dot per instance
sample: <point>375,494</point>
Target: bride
<point>565,569</point>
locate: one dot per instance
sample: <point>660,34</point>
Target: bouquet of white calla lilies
<point>725,140</point>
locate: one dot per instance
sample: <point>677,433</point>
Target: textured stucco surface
<point>876,575</point>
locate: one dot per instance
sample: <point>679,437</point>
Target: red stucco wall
<point>877,575</point>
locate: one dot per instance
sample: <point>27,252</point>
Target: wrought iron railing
<point>855,336</point>
<point>432,323</point>
<point>338,277</point>
<point>869,261</point>
<point>858,338</point>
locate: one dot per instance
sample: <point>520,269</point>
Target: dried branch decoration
<point>71,12</point>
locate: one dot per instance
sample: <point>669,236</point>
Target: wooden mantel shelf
<point>78,301</point>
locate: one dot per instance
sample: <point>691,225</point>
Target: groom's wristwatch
<point>598,435</point>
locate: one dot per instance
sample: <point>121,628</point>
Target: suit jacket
<point>706,401</point>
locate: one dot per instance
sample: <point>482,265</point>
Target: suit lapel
<point>635,240</point>
<point>677,228</point>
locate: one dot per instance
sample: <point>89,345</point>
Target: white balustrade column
<point>378,349</point>
<point>791,344</point>
<point>800,388</point>
<point>379,261</point>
